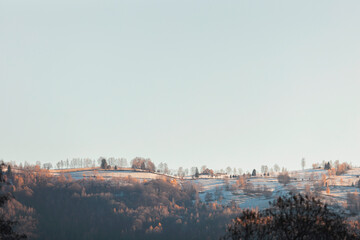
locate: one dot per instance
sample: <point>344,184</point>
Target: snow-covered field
<point>301,181</point>
<point>261,190</point>
<point>111,174</point>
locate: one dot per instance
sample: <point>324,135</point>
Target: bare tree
<point>276,168</point>
<point>166,169</point>
<point>303,163</point>
<point>292,217</point>
<point>160,167</point>
<point>142,163</point>
<point>38,163</point>
<point>181,172</point>
<point>284,178</point>
<point>218,194</point>
<point>150,166</point>
<point>264,169</point>
<point>47,166</point>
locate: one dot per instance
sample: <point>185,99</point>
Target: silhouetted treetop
<point>292,217</point>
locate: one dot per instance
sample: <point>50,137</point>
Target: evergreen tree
<point>327,166</point>
<point>9,172</point>
<point>197,173</point>
<point>143,166</point>
<point>103,163</point>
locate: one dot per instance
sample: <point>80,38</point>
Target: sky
<point>190,83</point>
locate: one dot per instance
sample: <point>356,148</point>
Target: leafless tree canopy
<point>292,217</point>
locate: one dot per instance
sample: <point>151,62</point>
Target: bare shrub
<point>283,178</point>
<point>208,197</point>
<point>342,168</point>
<point>353,202</point>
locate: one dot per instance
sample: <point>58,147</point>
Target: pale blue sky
<point>221,83</point>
